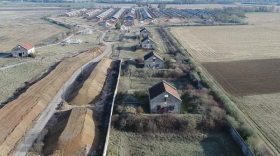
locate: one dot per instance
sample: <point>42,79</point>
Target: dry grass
<point>19,26</point>
<point>213,144</point>
<point>264,111</point>
<point>136,83</point>
<point>227,43</point>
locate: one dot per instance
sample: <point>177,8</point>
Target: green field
<point>159,144</point>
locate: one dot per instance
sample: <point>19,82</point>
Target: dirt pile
<point>78,135</point>
<point>18,116</point>
<point>90,90</point>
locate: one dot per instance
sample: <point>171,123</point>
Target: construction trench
<point>78,126</point>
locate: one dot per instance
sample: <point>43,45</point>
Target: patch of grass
<point>156,144</point>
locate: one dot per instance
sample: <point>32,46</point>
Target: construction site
<point>126,80</point>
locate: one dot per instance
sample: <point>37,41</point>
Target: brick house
<point>153,60</point>
<point>147,43</point>
<point>23,50</point>
<point>145,33</point>
<point>164,98</point>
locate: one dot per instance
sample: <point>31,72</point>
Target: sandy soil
<point>76,136</point>
<point>89,91</point>
<point>17,116</point>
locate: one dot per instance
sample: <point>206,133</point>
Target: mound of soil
<point>89,91</point>
<point>77,136</point>
<point>18,116</point>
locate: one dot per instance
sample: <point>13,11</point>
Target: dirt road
<point>32,135</point>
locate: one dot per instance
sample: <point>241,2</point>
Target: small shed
<point>153,60</point>
<point>164,98</point>
<point>23,50</point>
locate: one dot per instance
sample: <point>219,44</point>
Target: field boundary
<point>240,142</point>
<point>111,112</point>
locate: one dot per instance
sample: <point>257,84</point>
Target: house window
<point>154,59</point>
<point>166,98</point>
<point>171,108</point>
<point>151,46</point>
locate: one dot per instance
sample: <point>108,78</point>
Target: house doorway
<point>20,54</point>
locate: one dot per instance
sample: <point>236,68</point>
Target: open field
<point>78,135</point>
<point>244,61</point>
<point>264,110</point>
<point>228,43</point>
<point>246,77</point>
<point>213,144</point>
<point>19,26</point>
<point>15,119</point>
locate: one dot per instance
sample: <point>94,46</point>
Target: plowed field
<point>247,77</point>
<point>17,116</point>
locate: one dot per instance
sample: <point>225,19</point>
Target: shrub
<point>192,124</point>
<point>139,110</point>
<point>118,25</point>
<point>31,55</point>
<point>140,60</point>
<point>38,146</point>
<point>245,131</point>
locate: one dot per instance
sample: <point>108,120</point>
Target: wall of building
<point>160,100</point>
<point>148,44</point>
<point>16,52</point>
<point>149,63</point>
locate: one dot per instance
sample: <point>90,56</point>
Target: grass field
<point>213,144</point>
<point>228,43</point>
<point>136,83</point>
<point>19,26</point>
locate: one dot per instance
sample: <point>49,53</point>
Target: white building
<point>23,50</point>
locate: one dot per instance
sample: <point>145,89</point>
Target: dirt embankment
<point>75,136</point>
<point>89,91</point>
<point>18,116</point>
